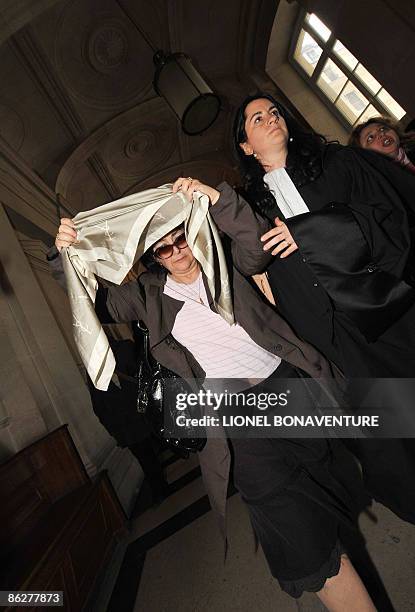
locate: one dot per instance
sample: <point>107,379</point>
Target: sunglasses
<point>166,250</point>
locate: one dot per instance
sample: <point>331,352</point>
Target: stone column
<point>41,385</point>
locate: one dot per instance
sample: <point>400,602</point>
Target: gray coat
<point>144,300</point>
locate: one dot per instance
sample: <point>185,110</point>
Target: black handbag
<point>157,390</point>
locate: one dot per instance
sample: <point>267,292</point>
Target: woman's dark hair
<point>150,262</point>
<point>304,159</point>
<point>406,140</point>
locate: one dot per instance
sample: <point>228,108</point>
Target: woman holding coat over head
<point>296,498</point>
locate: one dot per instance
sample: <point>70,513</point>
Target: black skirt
<point>298,496</point>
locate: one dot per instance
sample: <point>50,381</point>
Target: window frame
<point>328,53</point>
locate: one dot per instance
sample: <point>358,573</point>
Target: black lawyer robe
<point>347,291</point>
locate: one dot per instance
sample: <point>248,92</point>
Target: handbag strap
<point>145,335</point>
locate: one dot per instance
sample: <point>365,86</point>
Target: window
<point>337,76</point>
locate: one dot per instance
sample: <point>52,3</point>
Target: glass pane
<point>367,79</point>
<point>351,102</point>
<point>345,55</point>
<point>331,80</point>
<point>370,112</point>
<point>307,52</point>
<point>390,104</point>
<point>318,26</point>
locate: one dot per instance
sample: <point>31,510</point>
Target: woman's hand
<point>281,236</point>
<point>189,185</point>
<point>66,234</point>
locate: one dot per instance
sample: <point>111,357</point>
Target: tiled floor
<point>186,572</point>
<point>175,559</point>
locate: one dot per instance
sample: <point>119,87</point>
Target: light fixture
<point>181,85</point>
<point>185,91</point>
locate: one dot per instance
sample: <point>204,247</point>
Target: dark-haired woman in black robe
<point>342,270</point>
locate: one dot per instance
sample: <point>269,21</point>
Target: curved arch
<point>137,149</point>
<point>209,170</point>
<point>131,146</point>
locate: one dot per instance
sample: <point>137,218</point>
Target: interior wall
<point>381,34</point>
<point>290,82</point>
<point>41,386</point>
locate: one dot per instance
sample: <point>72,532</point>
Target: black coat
<point>411,154</point>
<point>347,289</point>
<point>346,292</point>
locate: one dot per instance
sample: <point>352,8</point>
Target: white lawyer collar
<point>285,193</point>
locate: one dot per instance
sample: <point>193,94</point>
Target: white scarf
<point>111,238</point>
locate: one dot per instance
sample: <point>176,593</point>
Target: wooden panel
<point>32,480</point>
<point>57,542</point>
<point>57,464</point>
<point>89,549</point>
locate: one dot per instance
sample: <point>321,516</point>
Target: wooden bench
<point>59,527</point>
